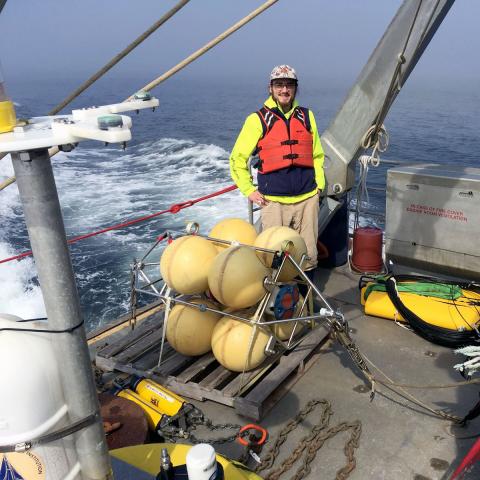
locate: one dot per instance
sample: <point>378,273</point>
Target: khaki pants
<point>302,217</point>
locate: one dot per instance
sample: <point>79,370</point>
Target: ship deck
<point>399,440</point>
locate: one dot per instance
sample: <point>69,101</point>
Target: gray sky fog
<point>323,39</point>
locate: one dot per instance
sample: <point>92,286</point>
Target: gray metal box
<point>433,218</point>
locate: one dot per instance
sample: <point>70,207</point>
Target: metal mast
<point>377,86</point>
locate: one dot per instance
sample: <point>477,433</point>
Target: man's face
<point>283,92</point>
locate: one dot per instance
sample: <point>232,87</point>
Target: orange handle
<point>252,426</point>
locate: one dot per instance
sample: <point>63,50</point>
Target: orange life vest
<point>285,143</point>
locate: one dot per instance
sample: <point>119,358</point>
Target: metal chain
<point>349,449</point>
<point>269,458</point>
<point>172,434</point>
<point>195,418</point>
<point>213,427</point>
<point>311,443</point>
<point>341,334</point>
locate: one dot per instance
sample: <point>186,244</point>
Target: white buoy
<point>32,403</point>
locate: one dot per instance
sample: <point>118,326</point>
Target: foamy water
<point>181,153</point>
<point>104,186</point>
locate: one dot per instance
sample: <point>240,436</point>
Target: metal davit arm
<point>378,84</point>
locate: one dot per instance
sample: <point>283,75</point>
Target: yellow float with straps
<point>442,311</point>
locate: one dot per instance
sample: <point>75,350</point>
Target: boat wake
<point>104,186</point>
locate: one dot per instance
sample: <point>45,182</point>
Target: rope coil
<point>377,140</point>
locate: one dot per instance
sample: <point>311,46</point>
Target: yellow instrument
<point>8,118</point>
<point>161,398</point>
<point>158,403</point>
<point>154,416</point>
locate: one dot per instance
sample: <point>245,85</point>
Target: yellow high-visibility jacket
<point>246,143</point>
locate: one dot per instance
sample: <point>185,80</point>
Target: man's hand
<point>257,198</point>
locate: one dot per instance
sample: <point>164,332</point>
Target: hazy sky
<point>324,39</point>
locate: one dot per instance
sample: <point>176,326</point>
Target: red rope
<point>173,209</point>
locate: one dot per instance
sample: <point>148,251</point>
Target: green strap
<point>426,289</point>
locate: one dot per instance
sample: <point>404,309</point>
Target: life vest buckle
<point>256,163</point>
<point>291,156</point>
<point>289,142</point>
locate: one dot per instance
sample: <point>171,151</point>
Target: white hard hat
<point>283,71</point>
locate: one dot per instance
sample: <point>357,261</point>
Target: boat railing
<point>371,215</point>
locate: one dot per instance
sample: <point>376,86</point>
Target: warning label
<point>450,214</point>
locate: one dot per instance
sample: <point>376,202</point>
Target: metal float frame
<point>142,284</point>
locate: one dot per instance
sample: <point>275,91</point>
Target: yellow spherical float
<point>239,346</point>
<point>275,238</point>
<point>236,277</point>
<point>189,329</point>
<point>185,264</point>
<point>284,330</point>
<point>233,229</point>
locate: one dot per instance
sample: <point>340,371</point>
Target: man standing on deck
<point>290,170</point>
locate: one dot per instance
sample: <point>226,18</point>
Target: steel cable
<point>119,56</point>
<point>208,46</point>
<point>105,69</point>
<point>54,150</point>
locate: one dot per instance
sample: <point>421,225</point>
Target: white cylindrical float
<point>32,404</point>
<point>275,238</point>
<point>236,277</point>
<point>185,264</point>
<point>189,329</point>
<point>233,230</point>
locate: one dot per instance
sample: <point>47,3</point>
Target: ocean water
<point>181,152</point>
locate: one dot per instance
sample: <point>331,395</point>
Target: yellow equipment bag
<point>462,313</point>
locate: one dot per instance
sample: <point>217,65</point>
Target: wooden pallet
<point>251,393</point>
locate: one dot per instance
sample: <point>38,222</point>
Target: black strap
<point>432,333</point>
<point>267,119</point>
<point>51,437</point>
<point>301,113</point>
<point>41,330</point>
